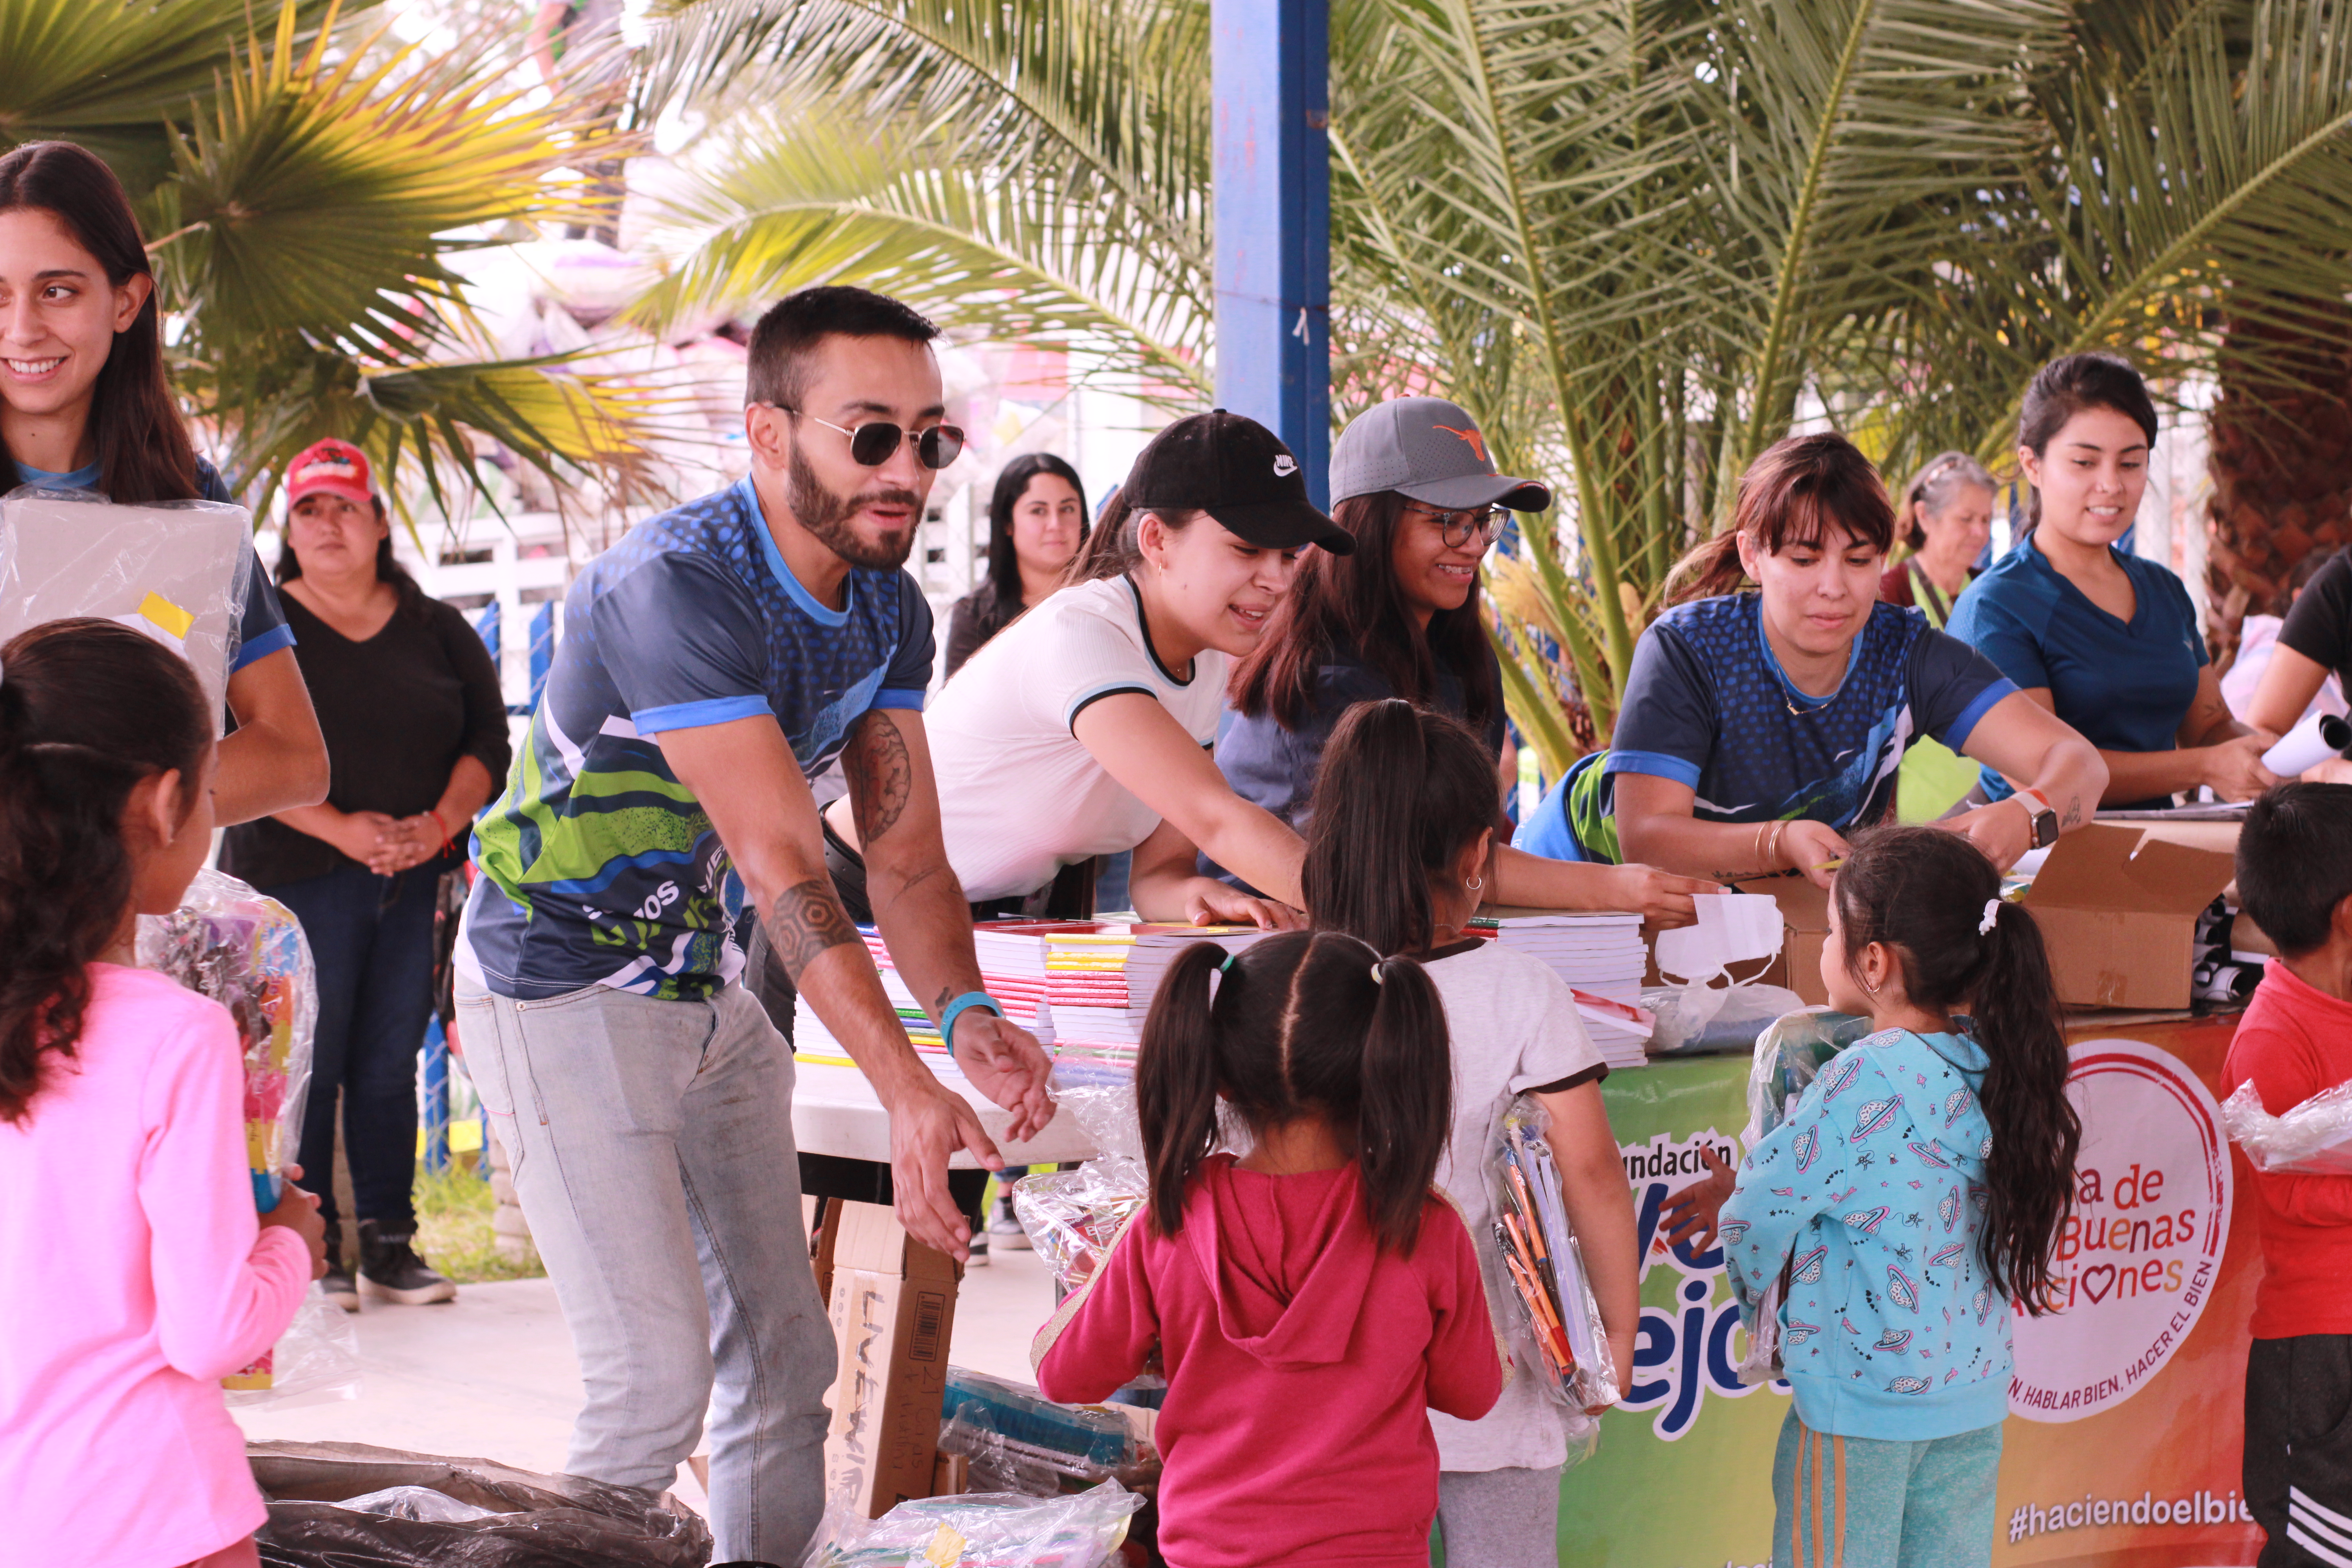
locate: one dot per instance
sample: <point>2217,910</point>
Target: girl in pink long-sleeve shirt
<point>135,1272</point>
<point>1311,1301</point>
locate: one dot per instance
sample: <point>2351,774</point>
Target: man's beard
<point>826,515</point>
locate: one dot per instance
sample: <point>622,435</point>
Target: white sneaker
<point>1006,1232</point>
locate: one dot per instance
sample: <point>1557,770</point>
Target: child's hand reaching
<point>297,1211</point>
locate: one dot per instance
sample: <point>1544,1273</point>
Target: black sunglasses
<point>871,445</point>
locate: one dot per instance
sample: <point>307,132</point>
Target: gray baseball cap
<point>1430,449</point>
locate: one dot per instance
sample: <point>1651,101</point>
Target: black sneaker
<point>979,1257</point>
<point>337,1282</point>
<point>390,1268</point>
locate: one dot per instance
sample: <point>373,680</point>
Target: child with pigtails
<point>1310,1302</point>
<point>1909,1201</point>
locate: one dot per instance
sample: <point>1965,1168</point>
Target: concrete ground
<point>491,1375</point>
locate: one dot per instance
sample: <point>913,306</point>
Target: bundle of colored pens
<point>1547,1269</point>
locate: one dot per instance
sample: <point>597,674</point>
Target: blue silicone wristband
<point>955,1010</point>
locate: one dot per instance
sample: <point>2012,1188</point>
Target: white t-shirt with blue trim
<point>1020,797</point>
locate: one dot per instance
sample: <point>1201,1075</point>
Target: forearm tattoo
<point>806,920</point>
<point>881,774</point>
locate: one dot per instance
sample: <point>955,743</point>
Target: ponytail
<point>1407,1104</point>
<point>1176,1082</point>
<point>1934,899</point>
<point>2035,1130</point>
<point>87,708</point>
<point>1299,1025</point>
<point>1401,793</point>
<point>1709,570</point>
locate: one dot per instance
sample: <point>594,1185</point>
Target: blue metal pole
<point>436,1096</point>
<point>1270,63</point>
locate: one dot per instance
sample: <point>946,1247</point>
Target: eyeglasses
<point>871,445</point>
<point>1459,528</point>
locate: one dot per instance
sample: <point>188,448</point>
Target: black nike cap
<point>1239,473</point>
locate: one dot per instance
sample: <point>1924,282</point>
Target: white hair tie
<point>1376,975</point>
<point>1991,913</point>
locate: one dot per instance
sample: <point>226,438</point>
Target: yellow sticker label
<point>947,1548</point>
<point>165,614</point>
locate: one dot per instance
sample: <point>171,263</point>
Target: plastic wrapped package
<point>247,953</point>
<point>983,1530</point>
<point>2313,1139</point>
<point>1789,1052</point>
<point>346,1505</point>
<point>1555,1315</point>
<point>177,570</point>
<point>1701,1020</point>
<point>1072,1217</point>
<point>1017,1440</point>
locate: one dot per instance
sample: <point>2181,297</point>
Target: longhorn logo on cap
<point>1478,443</point>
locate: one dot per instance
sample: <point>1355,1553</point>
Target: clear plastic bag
<point>983,1530</point>
<point>1072,1217</point>
<point>2313,1139</point>
<point>1552,1306</point>
<point>316,1493</point>
<point>1702,1020</point>
<point>1017,1440</point>
<point>1789,1052</point>
<point>247,953</point>
<point>177,570</point>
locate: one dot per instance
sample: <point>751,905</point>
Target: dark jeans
<point>371,939</point>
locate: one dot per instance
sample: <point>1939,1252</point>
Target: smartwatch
<point>2046,820</point>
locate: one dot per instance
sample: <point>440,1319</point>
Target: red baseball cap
<point>333,468</point>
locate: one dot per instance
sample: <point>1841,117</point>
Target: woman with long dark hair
<point>1759,727</point>
<point>1911,1203</point>
<point>1036,526</point>
<point>2107,641</point>
<point>1412,482</point>
<point>416,734</point>
<point>84,404</point>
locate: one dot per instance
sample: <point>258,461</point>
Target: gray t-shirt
<point>1514,1027</point>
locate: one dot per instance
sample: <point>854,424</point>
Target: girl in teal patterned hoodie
<point>1908,1202</point>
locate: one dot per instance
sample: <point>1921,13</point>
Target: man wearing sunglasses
<point>715,659</point>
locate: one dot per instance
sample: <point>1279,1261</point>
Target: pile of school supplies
<point>1554,1299</point>
<point>1022,994</point>
<point>983,1530</point>
<point>1600,958</point>
<point>1101,982</point>
<point>1017,1440</point>
<point>247,953</point>
<point>2313,1139</point>
<point>1073,1216</point>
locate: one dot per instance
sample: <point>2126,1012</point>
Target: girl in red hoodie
<point>1311,1300</point>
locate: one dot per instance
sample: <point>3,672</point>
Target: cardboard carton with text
<point>893,1309</point>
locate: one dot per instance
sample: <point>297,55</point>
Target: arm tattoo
<point>805,921</point>
<point>881,774</point>
<point>2073,812</point>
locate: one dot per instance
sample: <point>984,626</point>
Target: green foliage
<point>1639,239</point>
<point>454,1214</point>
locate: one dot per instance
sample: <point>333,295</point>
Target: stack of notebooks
<point>1082,987</point>
<point>1020,992</point>
<point>1601,958</point>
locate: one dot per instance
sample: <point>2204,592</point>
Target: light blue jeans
<point>652,1146</point>
<point>1866,1502</point>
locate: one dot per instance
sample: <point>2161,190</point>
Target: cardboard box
<point>893,1309</point>
<point>2117,903</point>
<point>1805,916</point>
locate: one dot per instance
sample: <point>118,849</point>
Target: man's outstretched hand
<point>1005,1063</point>
<point>929,1125</point>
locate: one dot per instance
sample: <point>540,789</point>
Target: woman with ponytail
<point>137,1273</point>
<point>1311,1300</point>
<point>1908,1203</point>
<point>1399,854</point>
<point>1759,729</point>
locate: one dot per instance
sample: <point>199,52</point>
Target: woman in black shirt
<point>1037,521</point>
<point>417,739</point>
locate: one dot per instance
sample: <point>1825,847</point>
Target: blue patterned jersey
<point>1708,705</point>
<point>599,866</point>
<point>1872,1194</point>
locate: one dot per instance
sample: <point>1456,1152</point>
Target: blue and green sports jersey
<point>599,866</point>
